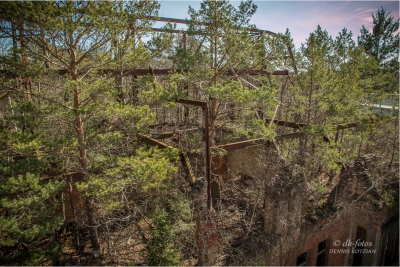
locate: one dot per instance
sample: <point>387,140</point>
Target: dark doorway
<point>389,246</point>
<point>361,233</point>
<point>321,257</point>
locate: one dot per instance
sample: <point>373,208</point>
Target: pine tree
<point>160,248</point>
<point>30,199</point>
<point>83,128</point>
<point>383,42</point>
<point>328,93</point>
<point>381,78</point>
<point>222,54</point>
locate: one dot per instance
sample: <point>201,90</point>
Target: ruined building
<point>251,204</point>
<point>253,207</point>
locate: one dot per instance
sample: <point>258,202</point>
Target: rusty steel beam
<point>153,142</point>
<point>251,31</point>
<point>259,31</point>
<point>188,168</point>
<point>206,141</point>
<point>163,30</point>
<point>258,142</point>
<point>191,102</point>
<point>176,31</point>
<point>246,143</point>
<point>261,141</point>
<point>173,20</point>
<point>255,32</point>
<point>183,21</point>
<point>241,144</point>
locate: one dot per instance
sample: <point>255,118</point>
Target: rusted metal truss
<point>184,157</point>
<point>184,21</point>
<point>156,72</point>
<point>254,142</point>
<point>253,31</point>
<point>301,134</point>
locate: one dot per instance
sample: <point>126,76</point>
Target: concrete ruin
<point>354,226</point>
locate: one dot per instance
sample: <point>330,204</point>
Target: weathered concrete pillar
<point>282,208</point>
<point>206,226</point>
<point>277,217</point>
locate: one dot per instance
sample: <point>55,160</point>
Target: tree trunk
<point>94,238</point>
<point>71,202</point>
<point>91,215</point>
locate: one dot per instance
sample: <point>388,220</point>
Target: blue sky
<point>300,17</point>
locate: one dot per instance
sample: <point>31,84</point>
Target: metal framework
<point>185,156</point>
<point>254,31</point>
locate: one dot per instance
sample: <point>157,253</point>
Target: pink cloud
<point>302,17</point>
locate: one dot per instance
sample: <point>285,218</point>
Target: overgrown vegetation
<point>72,165</point>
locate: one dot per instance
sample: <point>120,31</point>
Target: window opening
<point>302,259</point>
<point>321,253</point>
<point>361,233</point>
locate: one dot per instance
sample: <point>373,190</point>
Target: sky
<point>300,17</point>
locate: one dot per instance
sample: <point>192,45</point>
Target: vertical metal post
<point>207,163</point>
